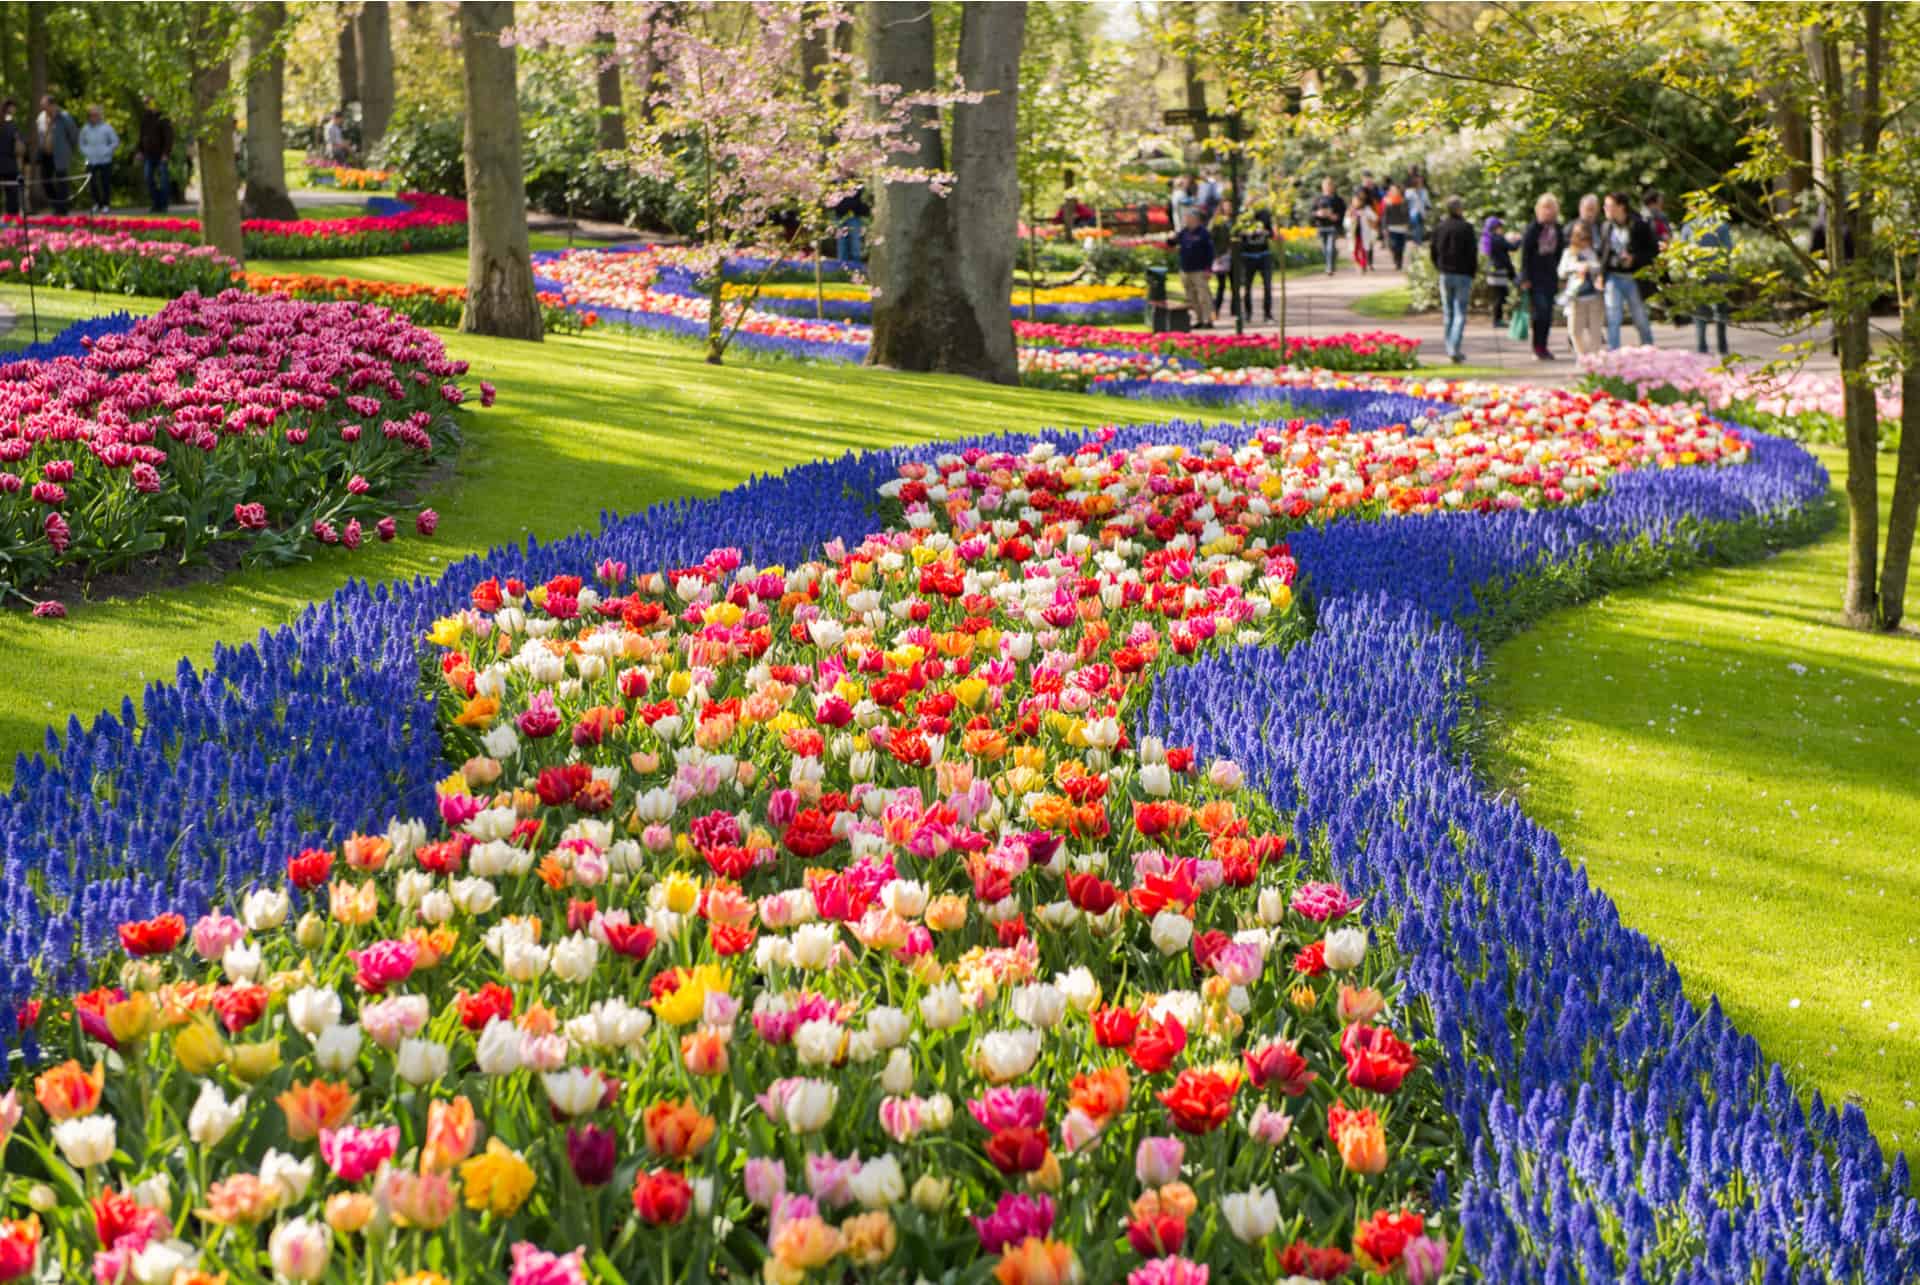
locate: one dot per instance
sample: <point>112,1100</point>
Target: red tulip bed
<point>831,918</point>
<point>421,221</point>
<point>263,423</point>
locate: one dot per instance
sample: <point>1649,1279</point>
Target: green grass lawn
<point>1385,305</point>
<point>1742,776</point>
<point>430,267</point>
<point>583,424</point>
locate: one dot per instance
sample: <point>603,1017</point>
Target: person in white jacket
<point>98,143</point>
<point>1580,276</point>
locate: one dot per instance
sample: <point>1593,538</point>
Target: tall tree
<point>266,192</point>
<point>611,125</point>
<point>348,62</point>
<point>373,41</point>
<point>36,56</point>
<point>500,293</point>
<point>933,309</point>
<point>212,36</point>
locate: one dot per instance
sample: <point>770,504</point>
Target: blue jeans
<point>1417,227</point>
<point>848,242</point>
<point>1623,294</point>
<point>1456,289</point>
<point>1716,313</point>
<point>157,180</point>
<point>1329,245</point>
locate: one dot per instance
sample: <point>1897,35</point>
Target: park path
<point>1319,305</point>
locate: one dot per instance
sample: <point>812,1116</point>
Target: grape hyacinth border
<point>1614,1129</point>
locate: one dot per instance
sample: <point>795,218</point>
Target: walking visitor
<point>1396,219</point>
<point>1540,248</point>
<point>98,143</point>
<point>1221,231</point>
<point>1195,249</point>
<point>1457,258</point>
<point>156,155</point>
<point>1499,255</point>
<point>1580,291</point>
<point>11,152</point>
<point>1419,206</point>
<point>1629,249</point>
<point>58,138</point>
<point>1365,222</point>
<point>1712,232</point>
<point>1329,214</point>
<point>1256,256</point>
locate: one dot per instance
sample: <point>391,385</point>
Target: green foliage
<point>566,173</point>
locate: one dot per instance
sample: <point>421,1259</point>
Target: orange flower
<point>552,873</point>
<point>314,1106</point>
<point>1357,1135</point>
<point>68,1090</point>
<point>704,1052</point>
<point>985,743</point>
<point>677,1130</point>
<point>1215,816</point>
<point>353,903</point>
<point>1101,1094</point>
<point>946,912</point>
<point>367,851</point>
<point>451,1133</point>
<point>432,944</point>
<point>1038,1262</point>
<point>477,712</point>
<point>1175,1199</point>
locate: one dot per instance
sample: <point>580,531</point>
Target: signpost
<point>1231,125</point>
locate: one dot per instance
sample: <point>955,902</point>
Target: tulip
<point>421,1061</point>
<point>288,1176</point>
<point>299,1249</point>
<point>1345,948</point>
<point>1251,1215</point>
<point>87,1141</point>
<point>213,1116</point>
<point>1157,1161</point>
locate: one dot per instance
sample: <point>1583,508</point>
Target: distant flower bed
<point>349,179</point>
<point>853,302</point>
<point>1375,350</point>
<point>1800,403</point>
<point>111,263</point>
<point>424,305</point>
<point>424,222</point>
<point>269,423</point>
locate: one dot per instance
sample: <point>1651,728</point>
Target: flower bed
<point>853,302</point>
<point>421,304</point>
<point>1607,1120</point>
<point>111,263</point>
<point>266,423</point>
<point>417,221</point>
<point>349,179</point>
<point>1798,403</point>
<point>1376,350</point>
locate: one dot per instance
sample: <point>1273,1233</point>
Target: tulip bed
<point>1798,403</point>
<point>853,302</point>
<point>111,263</point>
<point>415,221</point>
<point>267,423</point>
<point>835,869</point>
<point>423,305</point>
<point>657,290</point>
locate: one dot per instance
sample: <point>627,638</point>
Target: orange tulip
<point>451,1133</point>
<point>1038,1262</point>
<point>68,1090</point>
<point>676,1130</point>
<point>314,1106</point>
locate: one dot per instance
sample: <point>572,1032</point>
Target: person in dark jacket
<point>1629,248</point>
<point>850,214</point>
<point>156,154</point>
<point>1329,216</point>
<point>1540,249</point>
<point>1195,247</point>
<point>1499,254</point>
<point>11,149</point>
<point>1457,258</point>
<point>1256,258</point>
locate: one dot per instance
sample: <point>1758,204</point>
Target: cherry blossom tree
<point>760,110</point>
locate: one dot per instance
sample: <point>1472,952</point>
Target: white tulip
<point>241,962</point>
<point>160,1260</point>
<point>337,1048</point>
<point>1272,906</point>
<point>575,958</point>
<point>1251,1215</point>
<point>474,896</point>
<point>810,1105</point>
<point>819,1042</point>
<point>574,1091</point>
<point>213,1117</point>
<point>86,1141</point>
<point>498,1049</point>
<point>1039,1005</point>
<point>888,1025</point>
<point>290,1175</point>
<point>411,886</point>
<point>421,1061</point>
<point>879,1183</point>
<point>1171,932</point>
<point>942,1007</point>
<point>1007,1055</point>
<point>300,1248</point>
<point>313,1010</point>
<point>897,1077</point>
<point>1345,948</point>
<point>524,961</point>
<point>1080,989</point>
<point>265,908</point>
<point>813,945</point>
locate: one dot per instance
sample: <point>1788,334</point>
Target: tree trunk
<point>1905,508</point>
<point>266,195</point>
<point>500,294</point>
<point>210,78</point>
<point>36,58</point>
<point>373,41</point>
<point>921,320</point>
<point>349,59</point>
<point>984,207</point>
<point>612,122</point>
<point>1196,87</point>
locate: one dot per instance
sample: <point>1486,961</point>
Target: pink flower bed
<point>1699,377</point>
<point>268,421</point>
<point>430,222</point>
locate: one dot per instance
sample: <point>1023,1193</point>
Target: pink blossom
<point>354,1153</point>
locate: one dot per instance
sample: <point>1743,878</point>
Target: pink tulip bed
<point>415,221</point>
<point>262,424</point>
<point>849,901</point>
<point>110,262</point>
<point>1798,403</point>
